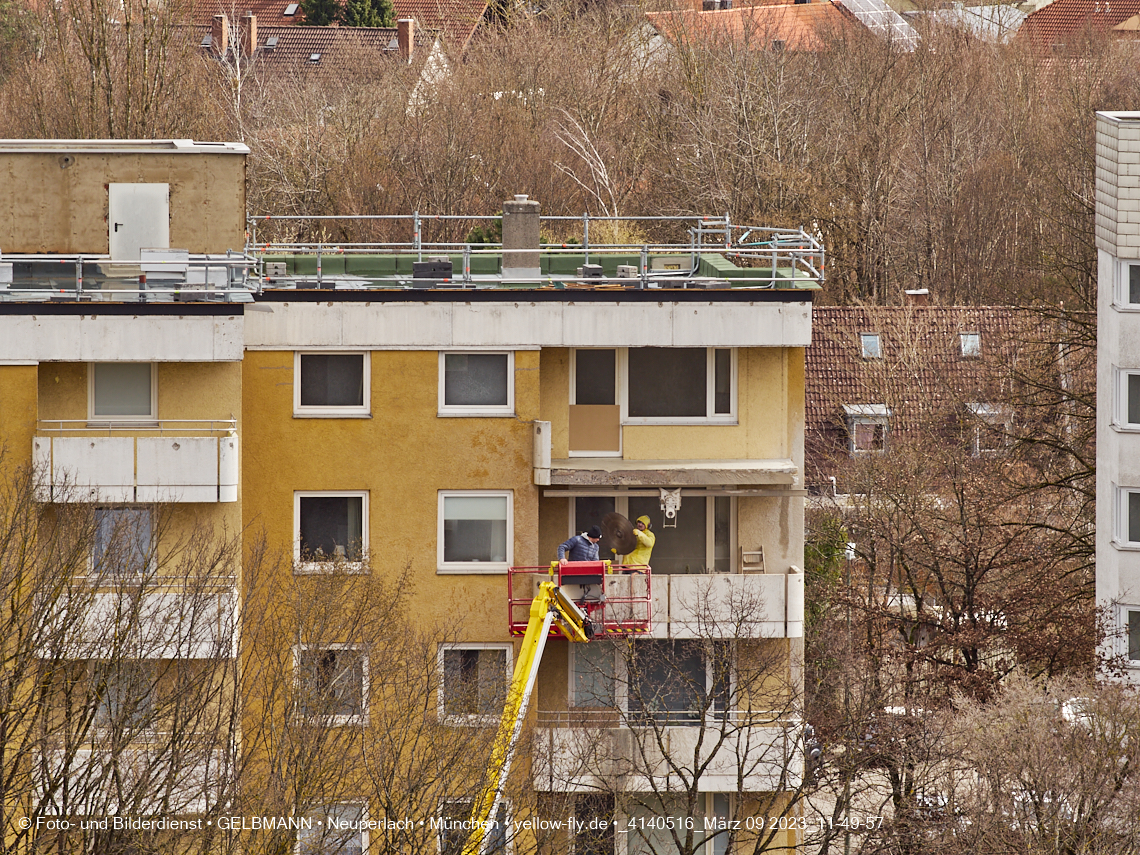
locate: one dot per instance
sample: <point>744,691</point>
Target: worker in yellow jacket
<point>645,541</point>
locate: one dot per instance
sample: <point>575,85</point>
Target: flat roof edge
<point>32,146</point>
<point>545,295</point>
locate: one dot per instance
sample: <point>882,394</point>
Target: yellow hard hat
<point>644,519</point>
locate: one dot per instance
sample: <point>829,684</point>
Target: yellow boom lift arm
<point>550,609</point>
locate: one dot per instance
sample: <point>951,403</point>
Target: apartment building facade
<point>1118,384</point>
<point>402,448</point>
<point>122,399</point>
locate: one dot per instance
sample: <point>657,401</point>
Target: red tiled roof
<point>800,26</point>
<point>270,13</point>
<point>921,374</point>
<point>336,49</point>
<point>1057,23</point>
<point>455,19</point>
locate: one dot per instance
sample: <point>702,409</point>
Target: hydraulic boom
<point>550,609</point>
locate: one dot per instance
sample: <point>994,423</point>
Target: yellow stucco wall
<point>403,455</point>
<point>18,403</point>
<point>186,390</point>
<point>48,204</point>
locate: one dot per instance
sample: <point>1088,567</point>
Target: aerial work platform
<point>617,598</point>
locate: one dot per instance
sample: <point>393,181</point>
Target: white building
<point>1118,381</point>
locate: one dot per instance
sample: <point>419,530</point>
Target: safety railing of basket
<point>625,608</point>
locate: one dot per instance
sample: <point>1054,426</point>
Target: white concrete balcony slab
<point>730,605</point>
<point>150,624</point>
<point>186,782</point>
<point>164,461</point>
<point>763,757</point>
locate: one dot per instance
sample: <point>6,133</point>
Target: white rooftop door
<point>138,216</point>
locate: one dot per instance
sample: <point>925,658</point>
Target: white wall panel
<point>523,324</point>
<point>93,469</point>
<point>120,338</point>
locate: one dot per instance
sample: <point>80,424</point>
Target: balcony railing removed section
<point>731,605</point>
<point>763,757</point>
<point>164,461</point>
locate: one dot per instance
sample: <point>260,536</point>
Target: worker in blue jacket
<point>581,547</point>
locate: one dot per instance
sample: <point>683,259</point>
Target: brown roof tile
<point>1054,25</point>
<point>921,375</point>
<point>800,26</point>
<point>325,49</point>
<point>456,20</point>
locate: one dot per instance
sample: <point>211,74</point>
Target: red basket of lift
<point>617,598</point>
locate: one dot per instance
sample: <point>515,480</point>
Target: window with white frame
<point>1130,634</point>
<point>122,392</point>
<point>331,385</point>
<point>1128,284</point>
<point>1127,410</point>
<point>677,385</point>
<point>473,682</point>
<point>475,531</point>
<point>593,674</point>
<point>124,691</point>
<point>594,380</point>
<point>331,683</point>
<point>677,681</point>
<point>1128,516</point>
<point>454,816</point>
<point>476,384</point>
<point>652,820</point>
<point>658,385</point>
<point>970,343</point>
<point>989,427</point>
<point>124,542</point>
<point>868,426</point>
<point>331,530</point>
<point>700,538</point>
<point>871,345</point>
<point>339,829</point>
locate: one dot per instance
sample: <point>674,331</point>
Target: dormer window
<point>990,426</point>
<point>867,428</point>
<point>871,345</point>
<point>971,344</point>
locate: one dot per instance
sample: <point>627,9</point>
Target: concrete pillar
<point>520,231</point>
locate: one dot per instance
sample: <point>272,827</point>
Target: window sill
<point>1125,428</point>
<point>473,569</point>
<point>475,414</point>
<point>333,720</point>
<point>719,421</point>
<point>122,423</point>
<point>329,568</point>
<point>1124,545</point>
<point>331,414</point>
<point>1127,308</point>
<point>469,720</point>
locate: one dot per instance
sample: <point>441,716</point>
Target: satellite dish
<point>617,537</point>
